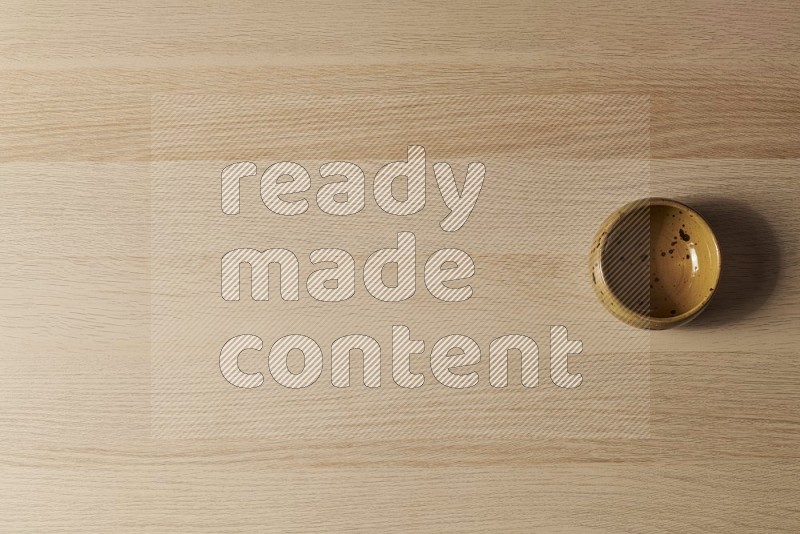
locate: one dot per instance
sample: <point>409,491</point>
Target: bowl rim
<point>635,317</point>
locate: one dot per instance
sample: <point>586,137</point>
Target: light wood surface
<point>76,449</point>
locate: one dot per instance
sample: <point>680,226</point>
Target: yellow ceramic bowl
<point>655,263</point>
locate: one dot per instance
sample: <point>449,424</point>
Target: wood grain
<point>76,84</point>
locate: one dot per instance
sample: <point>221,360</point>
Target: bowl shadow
<point>751,261</point>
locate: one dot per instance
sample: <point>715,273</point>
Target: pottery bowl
<point>655,263</point>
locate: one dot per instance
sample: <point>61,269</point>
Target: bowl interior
<point>660,259</point>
